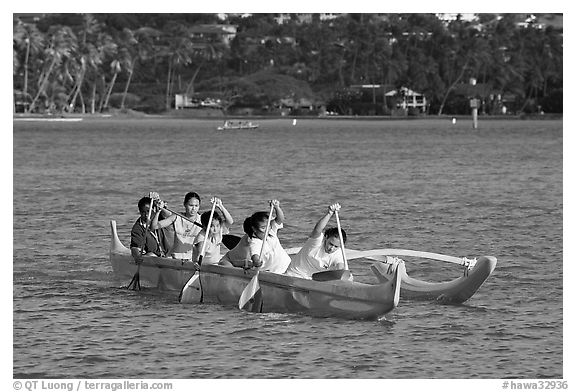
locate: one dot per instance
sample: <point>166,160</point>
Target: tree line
<point>89,63</point>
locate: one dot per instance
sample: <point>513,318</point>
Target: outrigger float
<point>474,273</point>
<point>285,294</point>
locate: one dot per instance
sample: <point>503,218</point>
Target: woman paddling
<point>184,231</point>
<point>247,253</point>
<point>221,222</point>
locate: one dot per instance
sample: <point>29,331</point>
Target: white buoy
<point>453,120</point>
<point>294,122</point>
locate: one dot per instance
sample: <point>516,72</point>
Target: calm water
<point>424,185</point>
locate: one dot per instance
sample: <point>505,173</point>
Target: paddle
<point>342,274</point>
<point>187,293</point>
<point>207,231</point>
<point>183,217</point>
<point>229,240</point>
<point>341,240</point>
<point>135,282</point>
<point>323,276</point>
<point>252,291</point>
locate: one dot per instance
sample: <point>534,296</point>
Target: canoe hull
<point>285,294</point>
<point>280,293</point>
<point>154,272</point>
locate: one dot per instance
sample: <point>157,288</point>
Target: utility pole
<point>474,104</point>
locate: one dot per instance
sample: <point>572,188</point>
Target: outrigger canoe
<point>279,293</point>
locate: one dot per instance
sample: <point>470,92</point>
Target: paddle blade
<point>230,241</point>
<point>191,293</point>
<point>331,275</point>
<point>135,282</point>
<point>251,297</point>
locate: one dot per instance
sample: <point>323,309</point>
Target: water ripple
<point>416,184</point>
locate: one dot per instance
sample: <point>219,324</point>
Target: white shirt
<point>274,257</point>
<point>185,232</point>
<point>212,250</point>
<point>313,258</point>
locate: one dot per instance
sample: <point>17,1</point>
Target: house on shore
<point>400,101</point>
<point>409,99</point>
<point>213,34</point>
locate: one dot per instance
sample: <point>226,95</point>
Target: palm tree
<point>116,68</point>
<point>130,43</point>
<point>89,58</point>
<point>103,47</point>
<point>62,42</point>
<point>178,52</point>
<point>461,57</point>
<point>506,77</point>
<point>123,59</point>
<point>202,54</point>
<point>140,46</point>
<point>27,36</point>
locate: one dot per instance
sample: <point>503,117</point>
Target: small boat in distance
<point>229,124</point>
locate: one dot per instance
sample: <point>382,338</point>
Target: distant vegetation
<point>89,63</point>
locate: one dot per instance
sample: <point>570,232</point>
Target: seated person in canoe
<point>321,252</point>
<point>221,222</point>
<point>184,230</point>
<point>143,238</point>
<point>247,253</point>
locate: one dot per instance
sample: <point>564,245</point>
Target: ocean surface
<point>426,185</point>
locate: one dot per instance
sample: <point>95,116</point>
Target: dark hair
<point>206,216</point>
<point>252,221</point>
<point>191,195</point>
<point>143,202</point>
<point>333,232</point>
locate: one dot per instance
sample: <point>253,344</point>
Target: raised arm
<point>321,224</point>
<point>159,224</point>
<point>227,217</point>
<point>279,213</point>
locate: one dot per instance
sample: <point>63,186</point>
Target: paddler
<point>144,240</point>
<point>247,253</point>
<point>321,252</point>
<point>221,222</point>
<point>185,230</point>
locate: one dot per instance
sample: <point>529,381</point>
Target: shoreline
<point>132,115</point>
